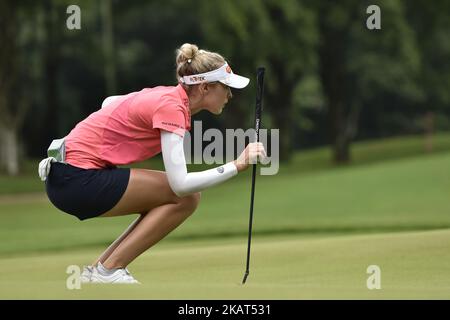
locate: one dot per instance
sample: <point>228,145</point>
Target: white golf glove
<point>44,167</point>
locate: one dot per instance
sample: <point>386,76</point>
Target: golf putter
<point>258,110</point>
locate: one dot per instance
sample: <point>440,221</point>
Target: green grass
<point>413,266</point>
<point>315,233</point>
<point>401,195</point>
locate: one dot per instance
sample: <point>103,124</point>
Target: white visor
<point>223,74</point>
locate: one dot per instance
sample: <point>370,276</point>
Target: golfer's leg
<point>151,229</point>
<point>148,189</point>
<point>114,245</point>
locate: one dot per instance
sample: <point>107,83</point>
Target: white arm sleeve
<point>182,182</point>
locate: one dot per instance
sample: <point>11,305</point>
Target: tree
<point>53,26</point>
<point>361,67</point>
<point>13,102</point>
<point>279,35</point>
<point>431,26</point>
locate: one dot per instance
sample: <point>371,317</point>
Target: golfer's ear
<point>204,87</point>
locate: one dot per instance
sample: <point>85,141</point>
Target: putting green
<point>315,234</point>
<point>414,265</point>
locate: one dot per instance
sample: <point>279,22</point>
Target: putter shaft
<point>258,111</point>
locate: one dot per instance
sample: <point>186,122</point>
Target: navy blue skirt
<point>85,193</point>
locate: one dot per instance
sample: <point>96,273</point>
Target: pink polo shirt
<point>128,129</point>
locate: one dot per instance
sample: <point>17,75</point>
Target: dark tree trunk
<point>51,61</point>
<point>429,124</point>
<point>108,47</point>
<point>333,71</point>
<point>281,108</point>
<point>332,75</point>
<point>9,157</point>
<point>9,154</point>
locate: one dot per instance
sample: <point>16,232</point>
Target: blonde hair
<point>190,60</point>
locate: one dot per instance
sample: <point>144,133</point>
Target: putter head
<point>245,277</point>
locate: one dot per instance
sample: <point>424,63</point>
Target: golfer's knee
<point>190,202</point>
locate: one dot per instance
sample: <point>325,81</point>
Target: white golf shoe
<point>117,276</point>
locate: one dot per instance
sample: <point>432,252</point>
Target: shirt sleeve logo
<point>171,124</point>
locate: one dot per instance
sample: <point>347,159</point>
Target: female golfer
<point>132,128</point>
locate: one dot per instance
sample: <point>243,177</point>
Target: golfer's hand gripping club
<point>253,152</point>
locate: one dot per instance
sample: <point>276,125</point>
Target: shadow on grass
<point>300,232</point>
<point>332,230</point>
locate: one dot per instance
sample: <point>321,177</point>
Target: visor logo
<point>196,78</point>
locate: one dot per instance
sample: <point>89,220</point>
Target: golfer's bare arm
<point>182,182</point>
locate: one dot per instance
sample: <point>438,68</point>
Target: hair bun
<point>187,52</point>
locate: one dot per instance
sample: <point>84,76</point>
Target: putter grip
<point>259,98</point>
